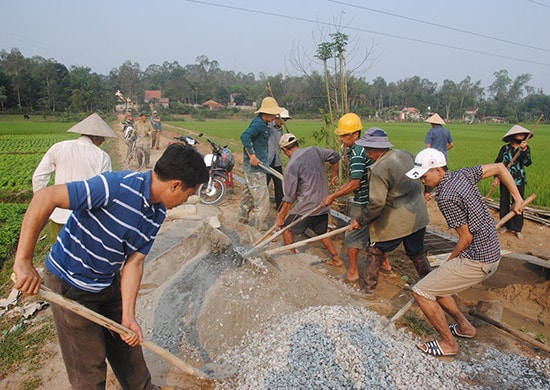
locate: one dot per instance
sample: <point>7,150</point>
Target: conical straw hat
<point>435,118</point>
<point>93,125</point>
<point>516,129</point>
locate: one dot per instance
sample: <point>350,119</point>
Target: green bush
<point>11,215</point>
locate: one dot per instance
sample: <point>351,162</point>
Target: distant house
<point>212,104</point>
<point>493,119</point>
<point>409,114</point>
<point>156,96</point>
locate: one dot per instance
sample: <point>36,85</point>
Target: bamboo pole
<point>305,242</point>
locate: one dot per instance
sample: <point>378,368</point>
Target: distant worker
<point>438,137</point>
<point>157,128</point>
<point>349,130</point>
<point>396,212</point>
<point>275,133</point>
<point>516,139</point>
<point>476,255</point>
<point>306,185</point>
<point>73,160</point>
<point>145,130</point>
<point>255,152</point>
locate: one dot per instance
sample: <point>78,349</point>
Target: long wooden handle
<point>264,236</point>
<point>114,326</point>
<point>401,312</point>
<point>275,173</point>
<point>281,231</point>
<point>305,242</point>
<point>511,214</point>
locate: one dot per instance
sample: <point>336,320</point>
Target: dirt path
<point>199,298</point>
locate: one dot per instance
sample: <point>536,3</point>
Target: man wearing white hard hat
<point>476,255</point>
<point>275,133</point>
<point>73,160</point>
<point>256,151</point>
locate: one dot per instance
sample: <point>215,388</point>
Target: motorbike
<point>220,163</point>
<point>129,131</point>
<point>187,140</point>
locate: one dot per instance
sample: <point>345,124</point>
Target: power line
<point>367,31</point>
<point>541,4</point>
<point>442,26</point>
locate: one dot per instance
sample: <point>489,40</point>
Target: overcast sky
<point>433,39</point>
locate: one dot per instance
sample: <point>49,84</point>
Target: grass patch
<point>417,325</point>
<point>20,347</point>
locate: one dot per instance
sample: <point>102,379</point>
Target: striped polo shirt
<point>358,163</point>
<point>461,203</point>
<point>111,219</point>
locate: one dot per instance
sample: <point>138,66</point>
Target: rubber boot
<point>421,264</point>
<point>372,271</point>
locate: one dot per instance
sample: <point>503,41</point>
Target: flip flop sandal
<point>433,348</point>
<point>454,332</point>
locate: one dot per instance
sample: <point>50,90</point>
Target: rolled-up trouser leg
<point>370,274</point>
<point>421,264</point>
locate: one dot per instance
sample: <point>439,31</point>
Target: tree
<point>14,64</point>
<point>3,97</point>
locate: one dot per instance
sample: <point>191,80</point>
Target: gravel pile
<point>336,347</point>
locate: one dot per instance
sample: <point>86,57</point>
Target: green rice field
<point>22,144</point>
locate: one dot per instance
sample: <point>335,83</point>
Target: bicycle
<point>135,159</point>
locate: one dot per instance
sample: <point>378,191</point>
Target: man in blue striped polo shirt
<point>98,259</point>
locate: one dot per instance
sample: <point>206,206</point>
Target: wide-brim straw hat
<point>93,125</point>
<point>516,129</point>
<point>269,106</point>
<point>436,119</point>
<point>375,138</point>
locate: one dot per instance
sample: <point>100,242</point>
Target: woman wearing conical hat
<point>516,142</point>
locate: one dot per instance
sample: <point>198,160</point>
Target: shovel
<point>208,371</point>
<point>259,246</point>
<point>307,241</point>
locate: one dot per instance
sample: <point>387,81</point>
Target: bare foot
<point>336,261</point>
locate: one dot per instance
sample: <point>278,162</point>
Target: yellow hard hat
<point>348,123</point>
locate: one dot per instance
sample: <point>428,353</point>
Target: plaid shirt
<point>461,204</point>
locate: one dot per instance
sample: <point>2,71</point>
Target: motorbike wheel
<point>213,194</point>
<point>136,160</point>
